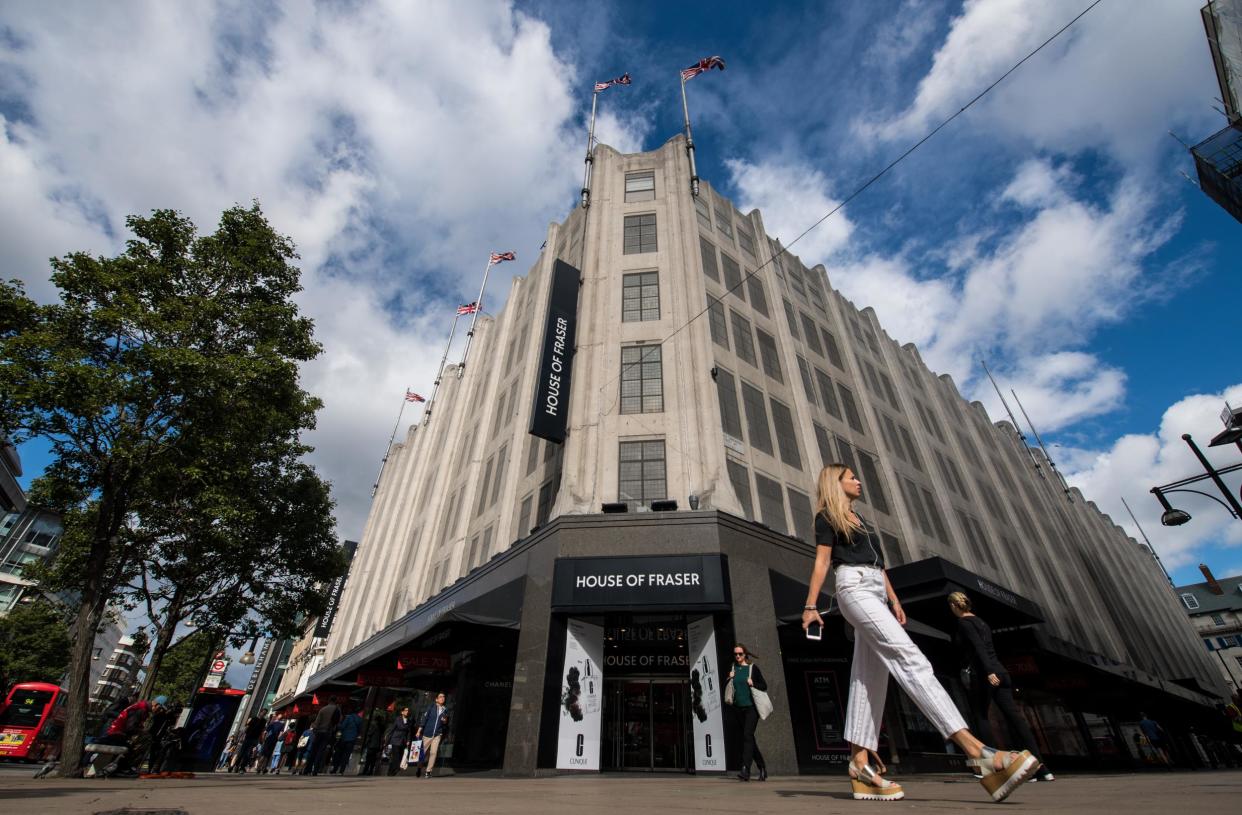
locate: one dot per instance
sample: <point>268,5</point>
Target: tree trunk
<point>90,612</point>
<point>163,639</point>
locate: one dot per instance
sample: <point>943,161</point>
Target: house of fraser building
<point>568,637</point>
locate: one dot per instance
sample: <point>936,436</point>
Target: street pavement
<point>1181,793</point>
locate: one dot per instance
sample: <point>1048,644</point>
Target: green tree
<point>183,666</point>
<point>172,366</point>
<point>34,644</point>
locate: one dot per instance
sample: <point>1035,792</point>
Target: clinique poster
<point>705,696</point>
<point>582,694</point>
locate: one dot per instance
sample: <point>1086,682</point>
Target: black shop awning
<point>925,585</point>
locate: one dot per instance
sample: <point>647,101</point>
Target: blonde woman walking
<point>849,544</point>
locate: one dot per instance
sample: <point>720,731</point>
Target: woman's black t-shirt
<point>862,549</point>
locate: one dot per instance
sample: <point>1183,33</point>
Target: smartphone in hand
<point>814,631</point>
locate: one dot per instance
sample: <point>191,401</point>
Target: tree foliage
<point>34,644</point>
<point>183,666</point>
<point>166,382</point>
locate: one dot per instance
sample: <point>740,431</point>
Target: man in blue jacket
<point>434,726</point>
<point>347,735</point>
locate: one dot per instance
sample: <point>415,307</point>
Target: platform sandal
<point>869,786</point>
<point>1016,767</point>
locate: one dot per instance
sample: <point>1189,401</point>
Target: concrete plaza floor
<point>1181,793</point>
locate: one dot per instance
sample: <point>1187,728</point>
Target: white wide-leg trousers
<point>882,647</point>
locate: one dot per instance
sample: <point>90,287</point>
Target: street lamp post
<point>1232,434</point>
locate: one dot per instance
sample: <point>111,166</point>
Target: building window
<point>730,416</point>
<point>852,416</point>
<point>756,418</point>
<point>642,379</point>
<point>767,350</point>
<point>1218,620</point>
<point>642,477</point>
<point>786,437</point>
<point>739,477</point>
<point>828,395</point>
<point>640,297</point>
<point>873,488</point>
<point>544,510</point>
<point>826,456</point>
<point>745,240</point>
<point>771,503</point>
<point>803,517</point>
<point>743,341</point>
<point>732,276</point>
<point>640,186</point>
<point>757,297</point>
<point>808,384</point>
<point>724,222</point>
<point>487,478</point>
<point>812,336</point>
<point>640,234</point>
<point>709,259</point>
<point>502,460</point>
<point>716,319</point>
<point>523,527</point>
<point>834,351</point>
<point>791,319</point>
<point>703,211</point>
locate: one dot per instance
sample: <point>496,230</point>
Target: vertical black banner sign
<point>550,415</point>
<point>334,594</point>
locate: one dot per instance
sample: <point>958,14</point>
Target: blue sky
<point>1048,228</point>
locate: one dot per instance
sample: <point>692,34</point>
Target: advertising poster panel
<point>705,696</point>
<point>582,696</point>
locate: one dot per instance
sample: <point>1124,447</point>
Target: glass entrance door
<point>646,725</point>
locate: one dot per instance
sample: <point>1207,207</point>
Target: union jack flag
<point>411,396</point>
<point>468,308</point>
<point>705,64</point>
<point>624,79</point>
<point>498,257</point>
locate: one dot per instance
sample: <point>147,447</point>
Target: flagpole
<point>478,308</point>
<point>590,158</point>
<point>388,449</point>
<point>440,373</point>
<point>694,173</point>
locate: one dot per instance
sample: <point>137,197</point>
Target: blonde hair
<point>959,599</point>
<point>832,502</point>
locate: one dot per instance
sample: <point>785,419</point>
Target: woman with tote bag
<point>746,692</point>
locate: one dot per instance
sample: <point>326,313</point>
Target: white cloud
<point>1120,78</point>
<point>1136,463</point>
<point>396,144</point>
<point>792,196</point>
<point>1026,291</point>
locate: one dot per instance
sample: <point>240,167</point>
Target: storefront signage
<point>428,660</point>
<point>324,626</point>
<point>684,581</point>
<point>705,697</point>
<point>551,410</point>
<point>582,694</point>
<point>383,679</point>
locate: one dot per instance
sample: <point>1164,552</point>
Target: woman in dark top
<point>743,676</point>
<point>882,647</point>
<point>989,681</point>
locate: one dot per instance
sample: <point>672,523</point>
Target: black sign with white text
<point>679,581</point>
<point>324,626</point>
<point>550,415</point>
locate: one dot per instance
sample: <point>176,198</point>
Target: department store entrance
<point>647,725</point>
<point>646,716</point>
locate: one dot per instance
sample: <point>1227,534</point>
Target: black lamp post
<point>1232,434</point>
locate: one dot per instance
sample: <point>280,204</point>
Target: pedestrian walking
<point>433,728</point>
<point>372,745</point>
<point>1156,738</point>
<point>271,740</point>
<point>745,691</point>
<point>226,755</point>
<point>397,739</point>
<point>990,684</point>
<point>346,736</point>
<point>252,735</point>
<point>323,729</point>
<point>289,746</point>
<point>850,545</point>
<point>305,742</point>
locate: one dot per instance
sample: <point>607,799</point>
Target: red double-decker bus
<point>32,721</point>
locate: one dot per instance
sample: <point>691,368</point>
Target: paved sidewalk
<point>1180,793</point>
